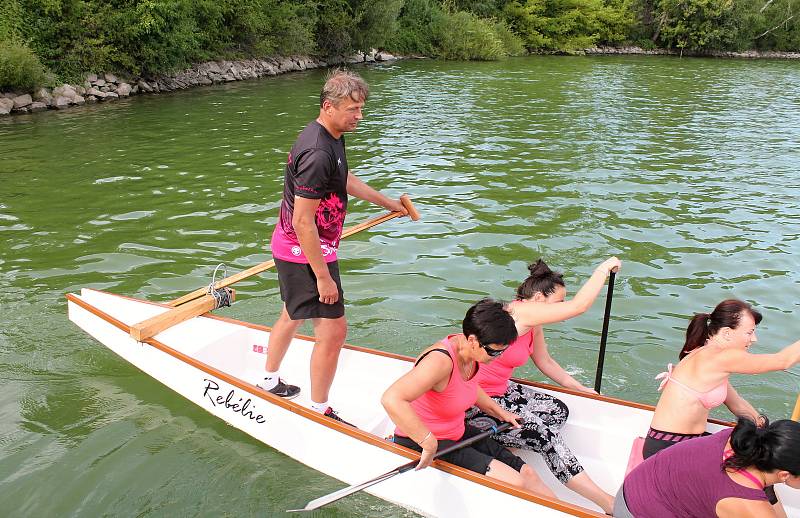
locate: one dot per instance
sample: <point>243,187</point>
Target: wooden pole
<point>199,301</point>
<point>796,413</point>
<point>152,326</point>
<point>227,281</point>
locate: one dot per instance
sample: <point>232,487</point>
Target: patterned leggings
<point>544,417</point>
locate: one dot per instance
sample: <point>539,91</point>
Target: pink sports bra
<point>727,454</point>
<point>711,399</point>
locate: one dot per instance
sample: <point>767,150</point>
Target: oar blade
<point>338,495</point>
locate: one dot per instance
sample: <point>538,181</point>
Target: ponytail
<point>774,446</point>
<point>696,333</point>
<point>541,279</point>
<point>728,313</point>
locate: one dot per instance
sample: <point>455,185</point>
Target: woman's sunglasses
<point>493,352</point>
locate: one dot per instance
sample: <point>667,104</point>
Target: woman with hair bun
<point>719,476</point>
<point>541,300</point>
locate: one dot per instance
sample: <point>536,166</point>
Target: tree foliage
<point>73,37</point>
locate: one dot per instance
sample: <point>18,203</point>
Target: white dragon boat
<point>214,362</point>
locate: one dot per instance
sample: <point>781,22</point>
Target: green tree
<point>568,24</point>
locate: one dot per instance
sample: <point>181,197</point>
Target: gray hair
<point>341,84</point>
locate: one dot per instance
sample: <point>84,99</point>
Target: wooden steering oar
<point>200,301</point>
<point>355,488</point>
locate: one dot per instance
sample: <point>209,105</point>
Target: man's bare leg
<point>330,334</point>
<point>279,339</point>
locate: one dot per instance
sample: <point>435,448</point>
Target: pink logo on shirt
<point>330,213</point>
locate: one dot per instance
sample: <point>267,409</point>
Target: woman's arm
<point>739,361</point>
<point>739,406</point>
<point>432,372</point>
<point>551,368</point>
<point>491,407</point>
<point>531,314</point>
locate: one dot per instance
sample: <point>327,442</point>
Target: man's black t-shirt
<point>316,169</point>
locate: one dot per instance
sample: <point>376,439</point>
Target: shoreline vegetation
<point>51,49</point>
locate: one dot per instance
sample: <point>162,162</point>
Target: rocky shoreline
<point>748,54</point>
<point>108,87</point>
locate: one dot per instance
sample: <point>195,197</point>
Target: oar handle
<point>796,413</point>
<point>412,211</point>
<point>604,335</point>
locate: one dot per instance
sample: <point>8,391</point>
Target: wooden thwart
<point>152,326</point>
<point>199,301</point>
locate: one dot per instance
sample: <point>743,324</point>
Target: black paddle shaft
<point>338,495</point>
<point>604,336</point>
<point>461,444</point>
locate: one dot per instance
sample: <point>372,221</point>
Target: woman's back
<point>685,480</point>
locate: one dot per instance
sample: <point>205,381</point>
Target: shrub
<point>415,25</point>
<point>20,69</point>
<point>568,24</point>
<point>464,36</point>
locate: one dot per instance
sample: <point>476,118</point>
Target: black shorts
<point>299,291</point>
<point>475,457</point>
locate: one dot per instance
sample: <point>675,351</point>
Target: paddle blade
<point>338,495</point>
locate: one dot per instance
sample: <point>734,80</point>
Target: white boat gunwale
<point>364,436</point>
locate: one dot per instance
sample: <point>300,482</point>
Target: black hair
<point>728,313</point>
<point>488,320</point>
<point>773,446</point>
<point>541,279</point>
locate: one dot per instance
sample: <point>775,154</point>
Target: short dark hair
<point>541,279</point>
<point>490,323</point>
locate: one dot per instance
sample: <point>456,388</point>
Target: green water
<point>685,169</point>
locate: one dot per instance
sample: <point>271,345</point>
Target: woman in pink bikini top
<point>717,345</point>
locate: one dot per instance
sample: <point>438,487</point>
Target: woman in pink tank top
<point>717,345</point>
<point>540,300</point>
<point>428,403</point>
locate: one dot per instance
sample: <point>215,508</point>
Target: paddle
<point>604,335</point>
<point>200,301</point>
<point>338,495</point>
<point>227,281</point>
<point>796,413</point>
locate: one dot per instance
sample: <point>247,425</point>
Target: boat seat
<point>381,426</point>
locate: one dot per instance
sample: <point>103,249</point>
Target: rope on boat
<point>223,296</point>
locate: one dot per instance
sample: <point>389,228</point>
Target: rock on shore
<point>108,87</point>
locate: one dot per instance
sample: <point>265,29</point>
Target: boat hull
<point>215,362</point>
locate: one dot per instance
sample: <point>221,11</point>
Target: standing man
<point>304,243</point>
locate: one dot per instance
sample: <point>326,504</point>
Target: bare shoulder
<point>743,508</point>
